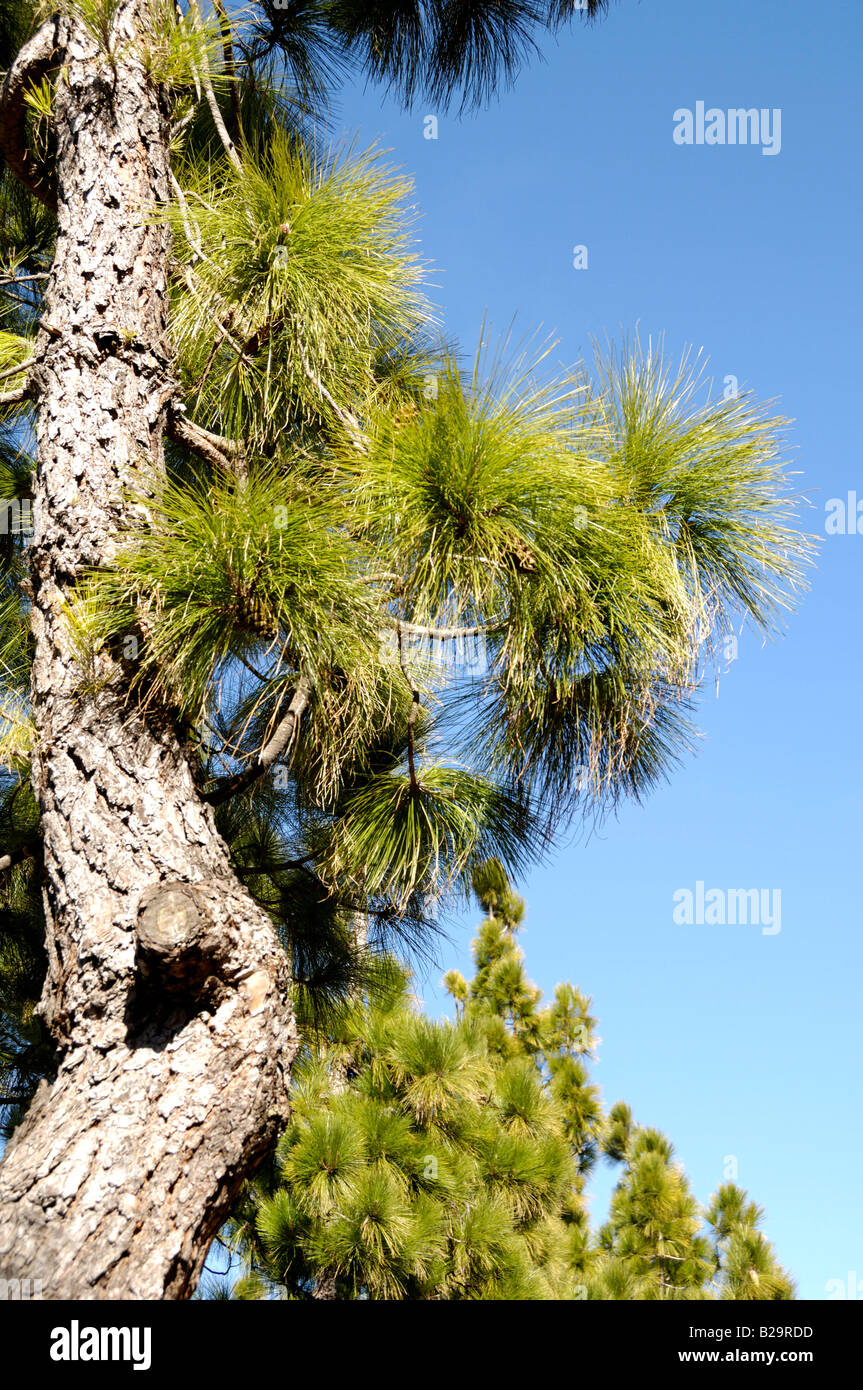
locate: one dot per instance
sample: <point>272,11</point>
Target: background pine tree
<point>451,1160</point>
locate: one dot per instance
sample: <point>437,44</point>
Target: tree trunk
<point>168,992</point>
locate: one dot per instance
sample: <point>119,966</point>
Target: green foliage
<point>439,1160</point>
<point>303,260</point>
<point>444,49</point>
<point>405,836</point>
<point>746,1258</point>
<point>220,570</point>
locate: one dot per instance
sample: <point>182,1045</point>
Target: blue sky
<point>734,1042</point>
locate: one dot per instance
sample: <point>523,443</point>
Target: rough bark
<point>168,993</point>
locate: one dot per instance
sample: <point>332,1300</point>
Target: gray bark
<point>168,993</point>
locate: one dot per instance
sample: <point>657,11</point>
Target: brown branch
<point>22,393</point>
<point>213,448</point>
<point>215,112</point>
<point>282,739</point>
<point>448,634</point>
<point>16,856</point>
<point>16,368</point>
<point>37,58</point>
<point>414,714</point>
<point>230,67</point>
<point>12,279</point>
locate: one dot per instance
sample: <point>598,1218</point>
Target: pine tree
<point>744,1259</point>
<point>659,1244</point>
<point>265,499</point>
<point>447,1165</point>
<point>654,1224</point>
<point>453,1161</point>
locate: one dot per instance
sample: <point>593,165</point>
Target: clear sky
<point>736,1043</point>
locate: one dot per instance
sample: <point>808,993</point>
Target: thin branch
<point>193,240</point>
<point>12,279</point>
<point>249,667</point>
<point>414,714</point>
<point>281,867</point>
<point>37,58</point>
<point>230,67</point>
<point>226,747</point>
<point>448,634</point>
<point>347,418</point>
<point>218,120</point>
<point>221,328</point>
<point>18,367</point>
<point>13,397</point>
<point>252,345</point>
<point>16,856</point>
<point>284,736</point>
<point>179,126</point>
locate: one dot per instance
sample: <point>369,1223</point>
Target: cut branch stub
<point>179,944</point>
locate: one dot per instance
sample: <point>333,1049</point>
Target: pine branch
<point>414,714</point>
<point>262,335</point>
<point>193,240</point>
<point>448,634</point>
<point>13,397</point>
<point>37,58</point>
<point>281,867</point>
<point>230,67</point>
<point>16,856</point>
<point>12,279</point>
<point>218,120</point>
<point>347,418</point>
<point>213,448</point>
<point>282,739</point>
<point>179,126</point>
<point>16,368</point>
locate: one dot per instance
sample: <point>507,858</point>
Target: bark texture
<point>168,992</point>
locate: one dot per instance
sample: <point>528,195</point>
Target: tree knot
<point>179,944</point>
